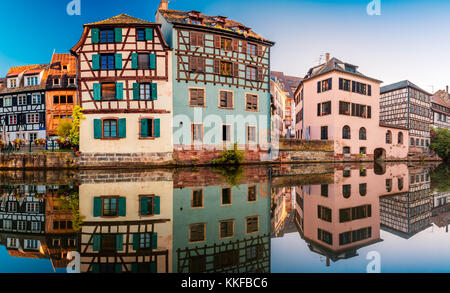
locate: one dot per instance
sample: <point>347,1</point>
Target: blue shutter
<point>118,35</point>
<point>157,127</point>
<point>122,206</point>
<point>144,202</point>
<point>149,34</point>
<point>154,91</point>
<point>118,268</point>
<point>97,91</point>
<point>98,200</point>
<point>136,242</point>
<point>97,239</point>
<point>154,240</point>
<point>153,267</point>
<point>118,61</point>
<point>119,91</point>
<point>122,128</point>
<point>134,60</point>
<point>95,62</point>
<point>134,267</point>
<point>152,61</point>
<point>119,242</point>
<point>95,35</point>
<point>96,268</point>
<point>157,210</point>
<point>144,134</point>
<point>98,135</point>
<point>136,92</point>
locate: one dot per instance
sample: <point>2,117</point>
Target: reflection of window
<point>252,224</point>
<point>356,213</point>
<point>254,252</point>
<point>324,213</point>
<point>346,190</point>
<point>363,189</point>
<point>197,264</point>
<point>346,150</point>
<point>196,97</point>
<point>324,190</point>
<point>400,183</point>
<point>363,172</point>
<point>362,150</point>
<point>226,196</point>
<point>346,132</point>
<point>400,138</point>
<point>197,232</point>
<point>388,185</point>
<point>197,133</point>
<point>325,236</point>
<point>197,199</point>
<point>226,228</point>
<point>251,193</point>
<point>346,173</point>
<point>355,236</point>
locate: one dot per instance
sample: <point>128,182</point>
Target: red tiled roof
<point>120,19</point>
<point>60,60</point>
<point>33,71</point>
<point>438,100</point>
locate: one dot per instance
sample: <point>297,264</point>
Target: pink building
<point>337,102</point>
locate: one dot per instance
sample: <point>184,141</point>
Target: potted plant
<point>40,141</point>
<point>347,112</point>
<point>18,143</point>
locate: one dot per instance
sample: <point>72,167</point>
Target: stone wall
<point>38,161</point>
<point>119,161</point>
<point>296,150</point>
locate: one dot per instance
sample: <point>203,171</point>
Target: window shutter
<point>236,69</point>
<point>235,45</point>
<point>154,91</point>
<point>149,34</point>
<point>153,267</point>
<point>157,127</point>
<point>136,91</point>
<point>14,101</point>
<point>95,62</point>
<point>119,91</point>
<point>118,268</point>
<point>134,60</point>
<point>122,201</point>
<point>217,42</point>
<point>152,61</point>
<point>330,83</point>
<point>260,51</point>
<point>154,240</point>
<point>341,83</point>
<point>369,90</point>
<point>136,242</point>
<point>369,111</point>
<point>97,92</point>
<point>98,135</point>
<point>119,242</point>
<point>95,268</point>
<point>353,86</point>
<point>118,61</point>
<point>318,86</point>
<point>157,210</point>
<point>318,110</point>
<point>216,66</point>
<point>144,133</point>
<point>144,208</point>
<point>97,238</point>
<point>134,267</point>
<point>244,46</point>
<point>118,34</point>
<point>353,109</point>
<point>122,128</point>
<point>95,35</point>
<point>260,74</point>
<point>193,39</point>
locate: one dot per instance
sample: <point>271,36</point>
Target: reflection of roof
<point>120,19</point>
<point>401,85</point>
<point>26,254</point>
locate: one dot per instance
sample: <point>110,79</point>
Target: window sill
<point>226,108</point>
<point>147,138</point>
<point>193,106</point>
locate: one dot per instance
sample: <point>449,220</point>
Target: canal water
<point>318,218</point>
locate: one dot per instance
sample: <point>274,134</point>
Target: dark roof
<point>121,19</point>
<point>393,126</point>
<point>401,85</point>
<point>215,22</point>
<point>16,71</point>
<point>289,82</point>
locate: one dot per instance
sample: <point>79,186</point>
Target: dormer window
<point>32,81</point>
<point>350,68</point>
<point>12,83</point>
<point>64,67</point>
<point>56,81</point>
<point>196,20</point>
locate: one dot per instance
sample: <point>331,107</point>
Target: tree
<point>74,136</point>
<point>64,128</point>
<point>440,143</point>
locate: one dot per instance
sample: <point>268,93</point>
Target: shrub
<point>64,128</point>
<point>230,157</point>
<point>440,143</point>
<point>77,116</point>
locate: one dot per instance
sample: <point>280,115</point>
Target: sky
<point>408,40</point>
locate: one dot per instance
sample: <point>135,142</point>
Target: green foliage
<point>232,174</point>
<point>77,115</point>
<point>230,157</point>
<point>439,178</point>
<point>64,128</point>
<point>72,203</point>
<point>440,143</point>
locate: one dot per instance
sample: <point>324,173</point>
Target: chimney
<point>164,5</point>
<point>446,90</point>
<point>327,57</point>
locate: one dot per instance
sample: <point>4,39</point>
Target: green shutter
<point>153,267</point>
<point>157,127</point>
<point>122,204</point>
<point>152,61</point>
<point>118,268</point>
<point>95,62</point>
<point>118,61</point>
<point>98,200</point>
<point>144,134</point>
<point>154,240</point>
<point>97,239</point>
<point>154,91</point>
<point>136,92</point>
<point>119,242</point>
<point>96,268</point>
<point>144,201</point>
<point>136,242</point>
<point>157,205</point>
<point>134,60</point>
<point>95,35</point>
<point>134,267</point>
<point>149,34</point>
<point>97,135</point>
<point>118,34</point>
<point>97,91</point>
<point>122,128</point>
<point>119,91</point>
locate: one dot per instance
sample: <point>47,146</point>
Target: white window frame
<point>21,100</point>
<point>248,134</point>
<point>7,102</point>
<point>35,100</point>
<point>32,118</point>
<point>230,139</point>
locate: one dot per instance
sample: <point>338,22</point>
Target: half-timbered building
<point>221,84</point>
<point>22,103</point>
<point>61,91</point>
<point>407,105</point>
<point>440,109</point>
<point>124,87</point>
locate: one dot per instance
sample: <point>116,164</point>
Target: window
<point>110,128</point>
<point>56,81</point>
<point>251,194</point>
<point>108,91</point>
<point>71,81</point>
<point>363,172</point>
<point>226,133</point>
<point>346,132</point>
<point>32,207</point>
<point>324,132</point>
<point>252,224</point>
<point>363,189</point>
<point>197,133</point>
<point>400,183</point>
<point>7,102</point>
<point>325,85</point>
<point>251,134</point>
<point>140,34</point>
<point>226,68</point>
<point>324,190</point>
<point>31,81</point>
<point>21,100</point>
<point>197,39</point>
<point>252,49</point>
<point>388,137</point>
<point>225,44</point>
<point>196,97</point>
<point>145,92</point>
<point>197,232</point>
<point>226,99</point>
<point>344,108</point>
<point>33,118</point>
<point>110,207</point>
<point>143,61</point>
<point>107,61</point>
<point>147,205</point>
<point>12,83</point>
<point>324,109</point>
<point>12,119</point>
<point>251,73</point>
<point>412,141</point>
<point>344,84</point>
<point>145,241</point>
<point>197,64</point>
<point>388,185</point>
<point>150,128</point>
<point>362,133</point>
<point>324,213</point>
<point>346,150</point>
<point>346,190</point>
<point>251,102</point>
<point>362,150</point>
<point>197,199</point>
<point>107,36</point>
<point>226,196</point>
<point>325,236</point>
<point>36,99</point>
<point>226,229</point>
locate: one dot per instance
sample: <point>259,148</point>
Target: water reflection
<point>308,218</point>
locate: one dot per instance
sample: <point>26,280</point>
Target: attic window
<point>350,68</point>
<point>64,67</point>
<point>195,20</point>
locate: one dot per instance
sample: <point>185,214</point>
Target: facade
<point>125,89</point>
<point>440,110</point>
<point>61,91</point>
<point>221,85</point>
<point>278,99</point>
<point>22,103</point>
<point>336,102</point>
<point>407,105</point>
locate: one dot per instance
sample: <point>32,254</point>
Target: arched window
<point>363,189</point>
<point>362,133</point>
<point>400,183</point>
<point>400,138</point>
<point>346,132</point>
<point>389,137</point>
<point>346,191</point>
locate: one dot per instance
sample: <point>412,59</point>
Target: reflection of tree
<point>232,174</point>
<point>439,178</point>
<point>72,202</point>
